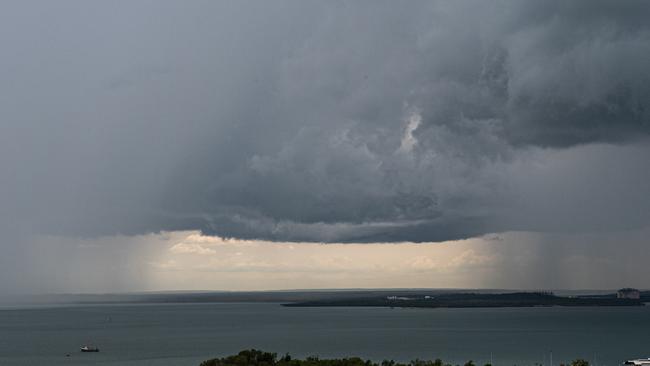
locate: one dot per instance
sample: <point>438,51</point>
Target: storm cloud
<point>323,121</point>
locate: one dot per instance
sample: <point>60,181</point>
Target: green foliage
<point>245,358</point>
<point>579,362</point>
<point>260,358</point>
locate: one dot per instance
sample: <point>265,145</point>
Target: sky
<point>168,145</point>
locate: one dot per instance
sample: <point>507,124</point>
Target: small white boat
<point>638,362</point>
<point>89,349</point>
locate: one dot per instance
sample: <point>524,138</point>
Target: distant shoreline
<point>407,298</point>
<point>473,300</point>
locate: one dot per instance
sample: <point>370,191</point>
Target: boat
<point>638,362</point>
<point>89,349</point>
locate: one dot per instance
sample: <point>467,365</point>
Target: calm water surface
<point>185,334</point>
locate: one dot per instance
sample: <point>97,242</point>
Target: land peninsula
<point>474,300</point>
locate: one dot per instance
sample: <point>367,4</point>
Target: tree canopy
<point>255,357</point>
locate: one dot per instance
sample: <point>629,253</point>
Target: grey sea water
<point>185,334</point>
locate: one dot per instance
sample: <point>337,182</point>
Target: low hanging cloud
<point>328,122</point>
<point>426,123</point>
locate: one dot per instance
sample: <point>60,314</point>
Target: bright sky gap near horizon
<point>248,145</point>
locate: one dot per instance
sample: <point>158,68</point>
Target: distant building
<point>398,298</point>
<point>628,293</point>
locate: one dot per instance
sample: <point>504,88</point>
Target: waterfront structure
<point>628,293</point>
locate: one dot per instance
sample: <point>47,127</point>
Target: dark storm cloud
<point>330,121</point>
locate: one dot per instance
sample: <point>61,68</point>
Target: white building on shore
<point>628,293</point>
